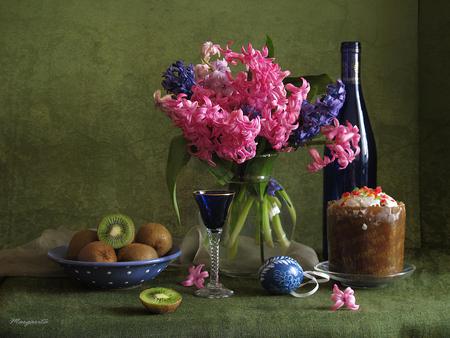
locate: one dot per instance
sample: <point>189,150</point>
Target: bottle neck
<point>351,67</point>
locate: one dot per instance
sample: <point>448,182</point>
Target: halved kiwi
<point>97,252</point>
<point>160,300</point>
<point>79,240</point>
<point>116,230</point>
<point>157,236</point>
<point>136,252</point>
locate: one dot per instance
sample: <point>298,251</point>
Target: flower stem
<point>261,246</point>
<point>258,223</point>
<point>275,200</point>
<point>292,212</point>
<point>265,223</point>
<point>279,232</point>
<point>234,213</point>
<point>232,251</point>
<point>240,221</point>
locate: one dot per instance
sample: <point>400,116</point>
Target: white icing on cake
<point>366,197</point>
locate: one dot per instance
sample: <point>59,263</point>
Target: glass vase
<point>261,221</point>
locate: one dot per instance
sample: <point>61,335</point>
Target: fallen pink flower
<point>341,298</point>
<point>196,277</point>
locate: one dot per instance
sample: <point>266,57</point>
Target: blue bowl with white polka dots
<point>117,275</point>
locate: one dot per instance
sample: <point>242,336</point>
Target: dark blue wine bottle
<point>363,170</point>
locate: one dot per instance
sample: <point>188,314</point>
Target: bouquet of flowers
<point>237,110</point>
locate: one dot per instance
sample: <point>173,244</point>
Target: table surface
<point>418,306</point>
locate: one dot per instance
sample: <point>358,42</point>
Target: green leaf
<point>263,146</point>
<point>257,168</point>
<point>269,44</point>
<point>222,171</point>
<point>291,208</point>
<point>176,161</point>
<point>318,84</point>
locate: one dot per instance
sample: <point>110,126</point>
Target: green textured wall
<point>80,136</point>
<point>434,120</point>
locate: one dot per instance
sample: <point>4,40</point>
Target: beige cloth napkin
<point>194,251</point>
<point>31,258</point>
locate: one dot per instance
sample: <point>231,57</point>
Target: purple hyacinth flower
<point>273,186</point>
<point>313,116</point>
<point>179,78</point>
<point>250,111</point>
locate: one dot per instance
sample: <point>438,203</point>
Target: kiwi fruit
<point>79,240</point>
<point>97,252</point>
<point>160,300</point>
<point>136,252</point>
<point>157,236</point>
<point>116,230</point>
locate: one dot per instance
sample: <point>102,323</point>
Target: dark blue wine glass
<point>214,206</point>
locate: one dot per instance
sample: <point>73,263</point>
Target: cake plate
<point>364,281</point>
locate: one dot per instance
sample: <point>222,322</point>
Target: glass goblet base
<point>214,291</point>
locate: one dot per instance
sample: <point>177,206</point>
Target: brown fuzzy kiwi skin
<point>157,236</point>
<point>79,240</point>
<point>136,252</point>
<point>98,252</point>
<point>161,309</point>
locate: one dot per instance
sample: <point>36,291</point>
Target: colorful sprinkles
<point>376,194</point>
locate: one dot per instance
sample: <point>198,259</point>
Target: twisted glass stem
<point>214,240</point>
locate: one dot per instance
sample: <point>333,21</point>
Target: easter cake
<point>366,233</point>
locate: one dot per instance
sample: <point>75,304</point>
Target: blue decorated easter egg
<point>281,275</point>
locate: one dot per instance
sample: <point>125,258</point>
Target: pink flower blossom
<point>341,298</point>
<point>212,119</point>
<point>220,65</point>
<point>266,92</point>
<point>318,163</point>
<point>344,138</point>
<point>209,49</point>
<point>196,277</point>
<point>344,146</point>
<point>194,120</point>
<point>218,80</point>
<point>235,136</point>
<point>201,70</point>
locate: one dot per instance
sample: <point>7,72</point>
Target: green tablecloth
<point>415,307</point>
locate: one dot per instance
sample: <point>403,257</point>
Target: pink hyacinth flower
<point>201,71</point>
<point>318,163</point>
<point>341,298</point>
<point>195,121</point>
<point>266,92</point>
<point>344,146</point>
<point>212,118</point>
<point>218,80</point>
<point>236,137</point>
<point>209,49</point>
<point>345,139</point>
<point>196,277</point>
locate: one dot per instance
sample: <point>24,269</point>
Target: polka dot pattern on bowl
<point>112,275</point>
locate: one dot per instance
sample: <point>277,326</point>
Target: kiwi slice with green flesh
<point>116,230</point>
<point>160,300</point>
